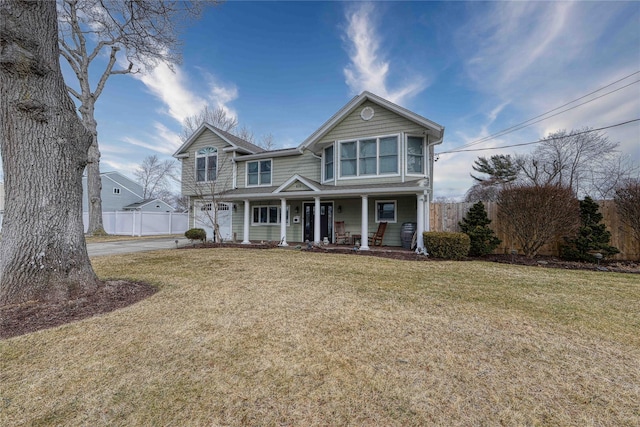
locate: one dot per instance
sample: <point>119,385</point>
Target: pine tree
<point>592,236</point>
<point>476,225</point>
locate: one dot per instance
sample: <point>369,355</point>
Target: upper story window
<point>259,173</point>
<point>415,155</point>
<point>116,190</point>
<point>206,164</point>
<point>328,163</point>
<point>369,157</point>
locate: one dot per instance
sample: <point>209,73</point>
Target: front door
<point>326,221</point>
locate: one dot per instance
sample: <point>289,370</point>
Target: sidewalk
<point>129,246</point>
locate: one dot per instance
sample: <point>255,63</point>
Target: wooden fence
<point>445,217</point>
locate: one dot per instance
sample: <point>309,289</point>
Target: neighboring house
<point>121,193</point>
<point>371,162</point>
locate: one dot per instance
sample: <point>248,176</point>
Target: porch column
<point>316,221</point>
<point>364,230</point>
<point>420,223</point>
<point>283,222</point>
<point>245,225</point>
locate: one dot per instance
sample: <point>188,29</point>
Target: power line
<point>538,141</point>
<point>531,121</point>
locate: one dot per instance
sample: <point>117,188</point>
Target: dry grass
<point>284,338</point>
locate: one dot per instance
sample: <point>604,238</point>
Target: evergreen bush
<point>476,225</point>
<point>592,236</point>
<point>196,234</point>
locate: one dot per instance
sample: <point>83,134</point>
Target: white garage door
<point>205,216</point>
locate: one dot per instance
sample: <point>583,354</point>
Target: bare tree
<point>44,145</point>
<point>568,159</point>
<point>139,33</point>
<point>627,201</point>
<point>220,119</point>
<point>535,215</point>
<point>217,117</point>
<point>613,173</point>
<point>156,176</point>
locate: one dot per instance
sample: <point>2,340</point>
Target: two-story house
<point>371,162</point>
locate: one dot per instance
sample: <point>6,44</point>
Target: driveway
<point>128,246</point>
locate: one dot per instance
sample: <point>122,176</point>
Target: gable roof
<point>438,130</point>
<point>238,144</point>
<point>145,202</point>
<point>123,181</point>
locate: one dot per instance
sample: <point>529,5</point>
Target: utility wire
<point>540,140</point>
<point>527,122</point>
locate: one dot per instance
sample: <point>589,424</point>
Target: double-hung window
<point>206,164</point>
<point>259,173</point>
<point>328,163</point>
<point>369,157</point>
<point>415,155</point>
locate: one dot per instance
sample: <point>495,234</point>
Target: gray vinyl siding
<point>130,192</point>
<point>384,122</point>
<point>283,168</point>
<point>350,213</point>
<point>225,167</point>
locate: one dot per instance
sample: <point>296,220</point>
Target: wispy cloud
<point>163,141</point>
<point>369,69</point>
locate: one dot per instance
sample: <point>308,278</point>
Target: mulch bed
<point>33,316</point>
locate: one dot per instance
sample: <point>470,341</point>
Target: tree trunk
<point>94,187</point>
<point>44,145</point>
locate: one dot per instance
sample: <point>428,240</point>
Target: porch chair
<point>342,237</point>
<point>376,239</point>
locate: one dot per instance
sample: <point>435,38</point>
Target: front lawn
<point>288,338</point>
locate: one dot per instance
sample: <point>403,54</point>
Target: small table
<point>355,238</point>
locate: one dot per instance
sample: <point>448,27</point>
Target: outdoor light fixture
<point>339,209</point>
<point>297,210</point>
<point>235,207</point>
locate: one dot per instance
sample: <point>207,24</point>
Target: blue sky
<point>476,68</point>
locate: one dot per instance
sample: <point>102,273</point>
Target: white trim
<point>324,158</point>
<point>206,164</point>
<point>271,224</point>
<point>195,135</point>
<point>425,149</point>
<point>377,138</point>
<point>291,180</point>
<point>395,211</point>
<point>359,100</point>
<point>246,173</point>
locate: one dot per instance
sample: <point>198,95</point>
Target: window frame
<point>395,211</point>
<point>260,183</point>
<point>116,191</point>
<point>268,220</point>
<point>358,157</point>
<point>201,154</point>
<point>424,156</point>
<point>326,162</point>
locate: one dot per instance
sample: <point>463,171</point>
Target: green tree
<point>476,225</point>
<point>592,236</point>
<point>499,169</point>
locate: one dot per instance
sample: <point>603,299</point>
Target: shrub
<point>592,236</point>
<point>196,234</point>
<point>446,245</point>
<point>476,225</point>
<point>537,214</point>
<point>627,200</point>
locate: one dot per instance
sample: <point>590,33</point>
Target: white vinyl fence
<point>138,223</point>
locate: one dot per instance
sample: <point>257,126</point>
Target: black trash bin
<point>406,234</point>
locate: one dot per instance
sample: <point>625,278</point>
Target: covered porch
<point>313,219</point>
